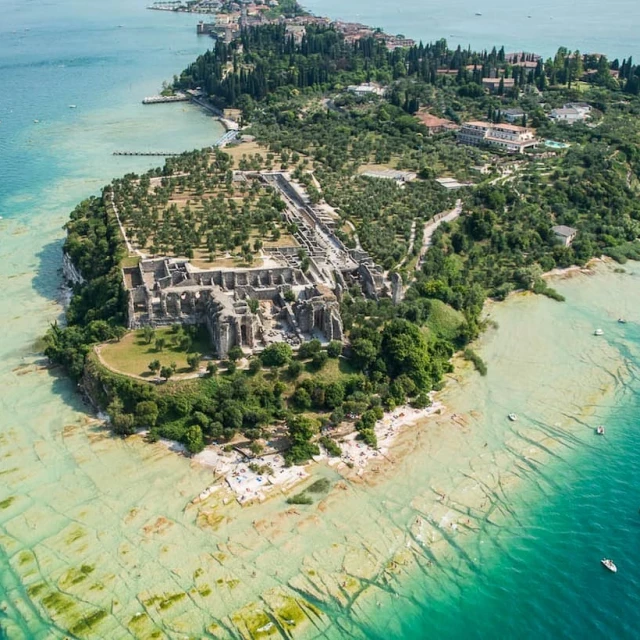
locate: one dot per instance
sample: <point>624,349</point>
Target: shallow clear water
<point>88,523</point>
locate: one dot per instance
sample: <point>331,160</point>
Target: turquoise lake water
<point>541,27</point>
<point>535,576</point>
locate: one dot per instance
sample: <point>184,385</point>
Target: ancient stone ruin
<point>254,307</point>
<point>165,291</point>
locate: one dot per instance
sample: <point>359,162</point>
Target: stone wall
<point>230,327</point>
<point>164,292</point>
<point>319,312</point>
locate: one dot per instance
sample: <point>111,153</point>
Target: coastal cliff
<point>70,272</point>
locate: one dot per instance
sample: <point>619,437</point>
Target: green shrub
<point>334,349</point>
<point>276,355</point>
<point>319,360</point>
<point>369,437</point>
<point>478,362</point>
<point>321,485</point>
<point>540,287</point>
<point>300,498</point>
<point>294,369</point>
<point>332,447</point>
<point>309,349</point>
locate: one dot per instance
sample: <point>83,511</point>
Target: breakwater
<point>178,97</point>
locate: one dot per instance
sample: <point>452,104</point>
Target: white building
<point>571,112</point>
<point>508,137</point>
<point>565,235</point>
<point>366,89</point>
<point>513,115</point>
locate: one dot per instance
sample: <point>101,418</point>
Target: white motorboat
<point>608,564</point>
<point>622,321</point>
<point>600,430</point>
<point>598,332</point>
<point>513,417</point>
<point>72,106</point>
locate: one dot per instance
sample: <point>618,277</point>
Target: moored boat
<point>608,564</point>
<point>598,332</point>
<point>513,417</point>
<point>600,430</point>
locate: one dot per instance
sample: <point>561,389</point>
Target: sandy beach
<point>246,484</point>
<point>232,469</point>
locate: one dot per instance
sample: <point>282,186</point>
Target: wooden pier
<point>146,153</point>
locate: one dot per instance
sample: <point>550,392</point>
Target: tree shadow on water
<point>48,279</point>
<point>67,390</point>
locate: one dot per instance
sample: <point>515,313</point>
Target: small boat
<point>598,332</point>
<point>600,430</point>
<point>36,121</point>
<point>513,417</point>
<point>72,106</point>
<point>478,13</point>
<point>608,564</point>
<point>622,321</point>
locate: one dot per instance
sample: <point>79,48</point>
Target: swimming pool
<point>554,144</point>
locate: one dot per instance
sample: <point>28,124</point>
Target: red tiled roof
<point>429,120</point>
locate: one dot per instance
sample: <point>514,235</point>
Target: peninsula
<point>323,269</point>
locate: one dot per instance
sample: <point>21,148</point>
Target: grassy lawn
<point>443,320</point>
<point>130,261</point>
<point>379,167</point>
<point>132,354</point>
<point>335,370</point>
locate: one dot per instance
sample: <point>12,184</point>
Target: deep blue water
<point>548,582</point>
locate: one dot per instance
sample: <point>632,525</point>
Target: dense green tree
<point>147,413</point>
<point>193,360</point>
<point>193,439</point>
<point>235,354</point>
<point>166,372</point>
<point>276,354</point>
<point>309,349</point>
<point>334,349</point>
<point>155,366</point>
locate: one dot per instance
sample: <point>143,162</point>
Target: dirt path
<point>431,226</point>
<point>412,240</point>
